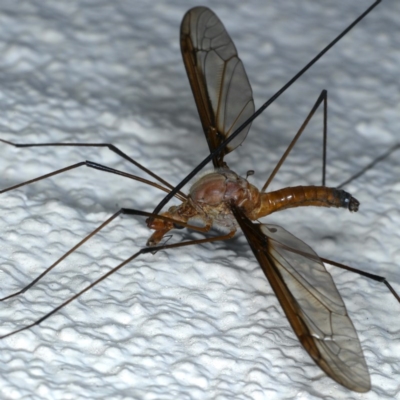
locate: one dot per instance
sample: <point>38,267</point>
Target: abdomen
<point>303,196</point>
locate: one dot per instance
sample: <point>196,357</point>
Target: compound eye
<point>176,226</point>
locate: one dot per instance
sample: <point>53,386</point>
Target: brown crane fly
<point>222,198</point>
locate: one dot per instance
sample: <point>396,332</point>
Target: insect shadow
<point>377,160</point>
<point>222,198</point>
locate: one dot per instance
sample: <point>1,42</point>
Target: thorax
<point>213,193</point>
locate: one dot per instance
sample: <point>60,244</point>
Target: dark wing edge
<point>310,300</point>
<point>218,79</point>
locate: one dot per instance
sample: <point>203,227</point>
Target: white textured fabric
<point>199,322</point>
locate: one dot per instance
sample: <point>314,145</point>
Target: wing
<point>219,82</point>
<point>310,300</point>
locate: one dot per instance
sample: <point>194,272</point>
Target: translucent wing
<point>310,300</point>
<point>219,82</point>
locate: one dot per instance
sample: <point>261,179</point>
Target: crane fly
<point>223,199</point>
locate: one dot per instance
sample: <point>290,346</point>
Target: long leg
<point>119,266</point>
<point>126,211</point>
<point>99,167</point>
<point>323,97</point>
<point>374,277</point>
<point>110,146</point>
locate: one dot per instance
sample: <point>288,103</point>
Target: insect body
<point>224,100</point>
<point>222,198</point>
<point>304,288</point>
<point>211,199</point>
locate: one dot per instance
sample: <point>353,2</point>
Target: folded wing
<point>219,82</point>
<point>310,300</point>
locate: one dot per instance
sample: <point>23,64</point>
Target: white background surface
<point>199,322</point>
